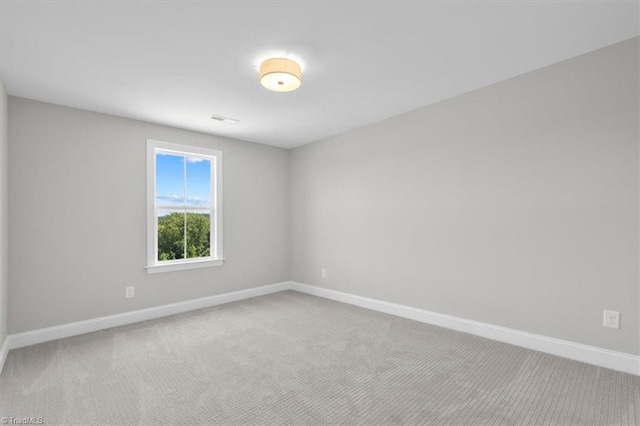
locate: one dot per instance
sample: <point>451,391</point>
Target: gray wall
<point>515,205</point>
<point>4,142</point>
<point>78,216</point>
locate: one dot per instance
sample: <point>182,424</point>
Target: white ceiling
<point>177,63</point>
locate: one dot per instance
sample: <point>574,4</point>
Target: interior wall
<point>515,205</point>
<point>4,141</point>
<point>79,212</point>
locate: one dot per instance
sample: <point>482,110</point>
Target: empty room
<point>319,212</point>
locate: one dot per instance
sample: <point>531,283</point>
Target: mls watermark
<point>22,420</point>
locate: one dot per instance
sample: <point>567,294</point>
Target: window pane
<point>198,181</point>
<point>198,234</point>
<point>169,179</point>
<point>170,234</point>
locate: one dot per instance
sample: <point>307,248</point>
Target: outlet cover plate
<point>611,319</point>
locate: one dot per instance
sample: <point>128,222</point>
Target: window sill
<point>179,266</point>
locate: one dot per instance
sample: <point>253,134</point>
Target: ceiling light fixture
<point>280,75</point>
<point>224,119</point>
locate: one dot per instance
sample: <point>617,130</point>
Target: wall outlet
<point>129,292</point>
<point>611,319</point>
<point>323,273</point>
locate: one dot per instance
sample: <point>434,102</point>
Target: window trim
<point>217,258</point>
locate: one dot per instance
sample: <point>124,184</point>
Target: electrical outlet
<point>323,273</point>
<point>130,292</point>
<point>611,319</point>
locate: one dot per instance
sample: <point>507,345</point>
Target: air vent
<point>224,119</point>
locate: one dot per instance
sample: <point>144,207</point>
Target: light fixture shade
<point>280,75</point>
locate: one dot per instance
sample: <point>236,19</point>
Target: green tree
<point>198,235</point>
<point>171,236</point>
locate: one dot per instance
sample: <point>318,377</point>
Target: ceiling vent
<point>224,119</point>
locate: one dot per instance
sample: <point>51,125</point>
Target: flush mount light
<point>280,75</point>
<point>224,119</point>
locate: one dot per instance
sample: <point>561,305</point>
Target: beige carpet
<point>297,359</point>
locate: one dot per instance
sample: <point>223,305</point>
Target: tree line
<point>171,236</point>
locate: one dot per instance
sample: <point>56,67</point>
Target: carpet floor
<point>291,358</point>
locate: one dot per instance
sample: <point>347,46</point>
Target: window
<point>184,207</point>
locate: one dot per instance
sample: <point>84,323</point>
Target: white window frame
<point>216,258</point>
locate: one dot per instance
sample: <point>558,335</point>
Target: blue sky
<point>170,180</point>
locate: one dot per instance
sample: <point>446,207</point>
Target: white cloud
<point>189,159</point>
<point>195,160</point>
<point>179,200</point>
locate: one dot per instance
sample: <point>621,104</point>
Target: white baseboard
<point>42,335</point>
<point>589,354</point>
<point>4,350</point>
<point>576,351</point>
